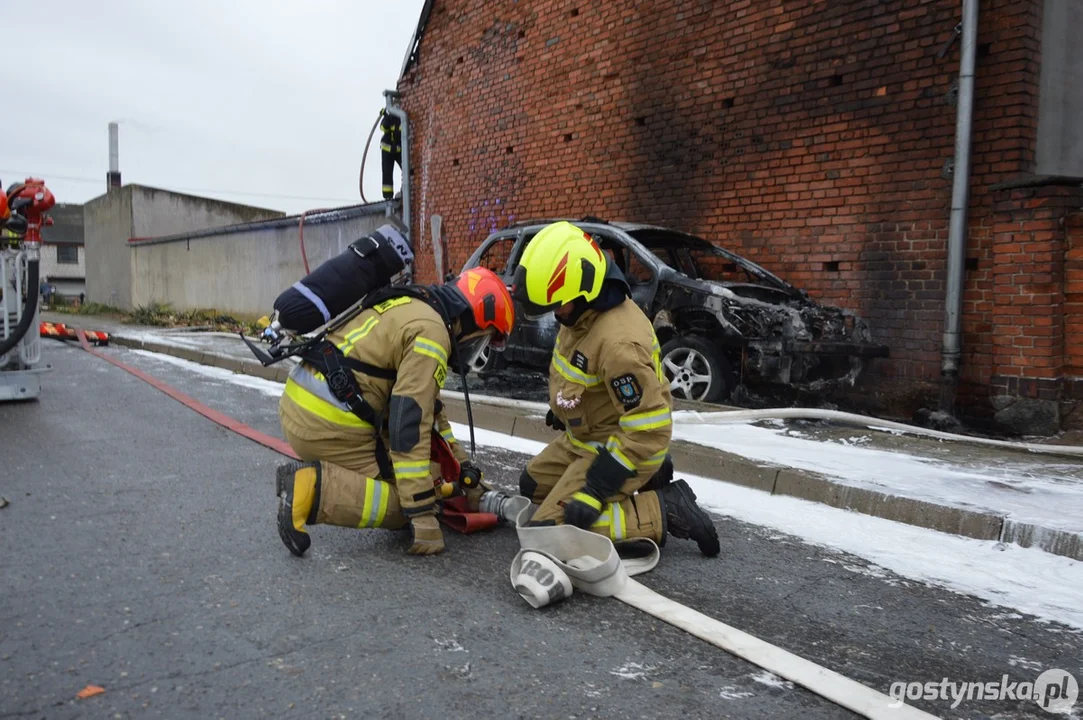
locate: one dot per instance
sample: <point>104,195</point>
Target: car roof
<point>632,227</point>
<point>626,226</point>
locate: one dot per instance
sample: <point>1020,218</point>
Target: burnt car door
<point>496,253</point>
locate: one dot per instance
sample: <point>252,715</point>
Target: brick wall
<point>1073,290</point>
<point>814,137</point>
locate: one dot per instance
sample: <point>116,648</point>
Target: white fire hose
<point>691,417</point>
<point>553,560</point>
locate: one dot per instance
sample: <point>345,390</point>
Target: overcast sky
<point>243,100</point>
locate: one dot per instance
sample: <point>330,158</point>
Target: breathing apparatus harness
<point>337,369</point>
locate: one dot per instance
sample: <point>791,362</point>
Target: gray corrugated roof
<point>67,227</point>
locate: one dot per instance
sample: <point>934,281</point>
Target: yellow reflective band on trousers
<point>408,469</point>
<point>375,507</point>
<point>591,447</point>
<point>572,373</point>
<point>640,422</point>
<point>615,520</point>
<point>587,499</point>
<point>354,335</point>
<point>312,394</point>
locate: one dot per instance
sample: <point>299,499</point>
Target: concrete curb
<point>726,467</point>
<point>278,372</point>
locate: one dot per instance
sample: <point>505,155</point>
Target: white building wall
<point>69,278</point>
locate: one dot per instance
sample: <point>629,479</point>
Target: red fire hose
<point>454,513</point>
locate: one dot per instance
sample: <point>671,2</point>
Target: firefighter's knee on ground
<point>527,485</point>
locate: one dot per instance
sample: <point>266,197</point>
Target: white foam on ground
<point>1047,493</point>
<point>495,439</point>
<point>771,680</point>
<point>161,338</point>
<point>267,387</point>
<point>1029,580</point>
<point>732,693</point>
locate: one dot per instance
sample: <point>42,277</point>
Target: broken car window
<point>496,256</point>
<point>699,259</point>
<point>638,273</point>
<point>522,249</point>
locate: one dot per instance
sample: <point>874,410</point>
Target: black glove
<point>469,475</point>
<point>605,476</point>
<point>554,422</point>
<point>582,509</point>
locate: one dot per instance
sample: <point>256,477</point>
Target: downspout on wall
<point>393,109</point>
<point>960,200</point>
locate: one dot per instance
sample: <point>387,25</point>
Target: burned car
<point>721,319</point>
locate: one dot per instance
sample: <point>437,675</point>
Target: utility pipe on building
<point>960,200</point>
<point>394,110</point>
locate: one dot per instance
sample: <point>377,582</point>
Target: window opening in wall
<point>67,254</point>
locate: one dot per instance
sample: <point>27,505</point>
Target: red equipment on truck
<point>26,205</point>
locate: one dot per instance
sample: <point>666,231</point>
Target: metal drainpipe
<point>960,200</point>
<point>393,109</point>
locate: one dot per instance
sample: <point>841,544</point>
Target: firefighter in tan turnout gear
<point>608,395</point>
<point>403,347</point>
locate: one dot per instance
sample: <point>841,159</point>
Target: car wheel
<point>696,370</point>
<point>489,361</point>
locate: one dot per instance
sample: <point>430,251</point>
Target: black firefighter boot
<point>297,485</point>
<point>684,519</point>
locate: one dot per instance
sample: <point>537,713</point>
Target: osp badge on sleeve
<point>628,390</point>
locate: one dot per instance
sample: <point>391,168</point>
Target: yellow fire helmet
<point>561,263</point>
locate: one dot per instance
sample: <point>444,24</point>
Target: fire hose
<point>364,159</point>
<point>360,187</point>
<point>589,562</point>
<point>455,513</point>
<point>554,560</point>
<point>725,417</point>
<point>29,309</point>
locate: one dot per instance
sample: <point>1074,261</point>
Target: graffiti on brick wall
<point>487,218</point>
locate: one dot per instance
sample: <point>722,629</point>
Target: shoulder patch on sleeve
<point>440,376</point>
<point>628,390</point>
<point>579,360</point>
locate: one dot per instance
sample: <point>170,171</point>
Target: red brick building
<point>815,137</point>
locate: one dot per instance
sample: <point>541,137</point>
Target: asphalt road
<point>139,554</point>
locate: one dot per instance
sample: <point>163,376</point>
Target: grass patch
<point>163,315</point>
<point>69,308</point>
<point>157,314</point>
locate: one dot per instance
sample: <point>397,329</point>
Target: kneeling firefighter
<point>609,471</point>
<point>365,448</point>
